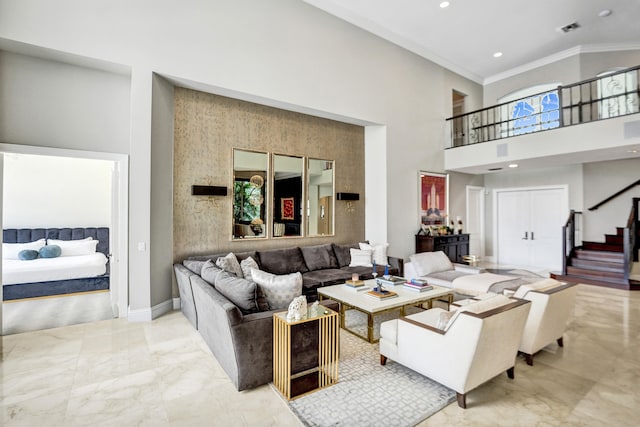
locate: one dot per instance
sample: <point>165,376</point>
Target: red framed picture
<point>434,198</point>
<point>286,208</point>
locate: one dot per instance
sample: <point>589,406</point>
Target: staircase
<point>598,263</point>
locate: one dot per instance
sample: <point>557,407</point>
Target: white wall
<point>45,191</point>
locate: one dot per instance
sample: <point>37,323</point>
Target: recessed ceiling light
<point>497,54</point>
<point>604,13</point>
<point>632,151</point>
<point>444,4</point>
<point>513,165</point>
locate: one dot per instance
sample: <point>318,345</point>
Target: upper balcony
<point>542,129</point>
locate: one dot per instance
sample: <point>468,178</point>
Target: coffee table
<point>358,300</point>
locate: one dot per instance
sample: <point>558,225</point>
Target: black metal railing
<point>613,95</point>
<point>614,195</point>
<point>572,237</point>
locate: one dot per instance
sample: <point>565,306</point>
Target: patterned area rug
<point>369,394</point>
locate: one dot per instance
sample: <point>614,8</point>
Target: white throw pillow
<point>360,258</point>
<point>481,306</point>
<point>11,250</point>
<point>230,264</point>
<point>278,290</point>
<point>75,247</point>
<point>379,252</point>
<point>430,262</point>
<point>246,265</point>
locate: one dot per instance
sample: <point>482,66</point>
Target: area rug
<point>369,394</point>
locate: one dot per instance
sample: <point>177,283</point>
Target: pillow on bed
<point>11,250</point>
<point>75,247</point>
<point>27,255</point>
<point>50,251</point>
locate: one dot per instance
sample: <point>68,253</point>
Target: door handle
<point>532,236</point>
<point>526,235</point>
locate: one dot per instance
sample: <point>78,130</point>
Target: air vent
<point>570,27</point>
<point>494,169</point>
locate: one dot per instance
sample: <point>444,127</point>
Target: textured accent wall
<point>207,129</point>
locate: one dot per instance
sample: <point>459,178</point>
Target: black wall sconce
<point>348,196</point>
<point>208,190</point>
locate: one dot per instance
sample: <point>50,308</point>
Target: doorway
<point>528,226</point>
<point>117,217</point>
<point>475,220</point>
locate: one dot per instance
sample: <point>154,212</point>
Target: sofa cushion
<point>194,266</point>
<point>279,290</point>
<point>210,272</point>
<point>343,254</point>
<point>431,262</point>
<point>241,292</point>
<point>378,252</point>
<point>326,277</point>
<point>282,261</point>
<point>319,257</point>
<point>230,264</point>
<point>360,258</point>
<point>541,285</point>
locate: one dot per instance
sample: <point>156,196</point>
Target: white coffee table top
<point>360,299</point>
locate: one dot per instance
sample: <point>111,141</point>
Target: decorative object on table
<point>313,310</point>
<point>434,198</point>
<point>297,309</point>
<point>287,208</point>
<point>459,225</point>
<point>381,294</point>
<point>417,285</point>
<point>389,280</point>
<point>386,272</point>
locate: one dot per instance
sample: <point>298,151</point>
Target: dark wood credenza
<point>454,245</point>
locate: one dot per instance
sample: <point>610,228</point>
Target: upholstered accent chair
<point>477,342</point>
<point>551,305</point>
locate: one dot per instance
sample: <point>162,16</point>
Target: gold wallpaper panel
<point>207,129</point>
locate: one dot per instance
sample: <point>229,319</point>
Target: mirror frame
<point>332,208</point>
<point>278,205</point>
<point>265,195</point>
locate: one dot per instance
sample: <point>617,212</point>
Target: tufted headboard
<point>26,235</point>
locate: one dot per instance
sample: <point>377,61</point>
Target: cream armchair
<point>477,343</point>
<point>551,305</point>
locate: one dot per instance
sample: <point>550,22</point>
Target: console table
<point>454,245</point>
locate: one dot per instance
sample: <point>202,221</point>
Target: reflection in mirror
<point>249,194</point>
<point>320,197</point>
<point>287,196</point>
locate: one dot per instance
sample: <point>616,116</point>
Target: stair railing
<point>570,238</point>
<point>614,195</point>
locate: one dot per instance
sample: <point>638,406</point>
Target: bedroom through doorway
<point>69,200</point>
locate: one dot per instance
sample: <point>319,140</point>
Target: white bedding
<point>50,269</point>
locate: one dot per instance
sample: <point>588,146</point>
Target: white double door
<point>529,226</point>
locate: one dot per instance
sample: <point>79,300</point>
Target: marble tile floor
<point>161,373</point>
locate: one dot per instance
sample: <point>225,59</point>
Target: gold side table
<point>315,363</point>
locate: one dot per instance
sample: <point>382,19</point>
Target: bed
<point>81,272</point>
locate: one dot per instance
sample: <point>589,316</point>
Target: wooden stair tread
<point>591,264</point>
<point>600,246</point>
<point>589,281</point>
<point>596,274</point>
<point>599,255</point>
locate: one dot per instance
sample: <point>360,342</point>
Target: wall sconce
<point>208,190</point>
<point>348,196</point>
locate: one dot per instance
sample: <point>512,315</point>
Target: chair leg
<point>560,342</point>
<point>383,360</point>
<point>511,372</point>
<point>462,400</point>
<point>529,359</point>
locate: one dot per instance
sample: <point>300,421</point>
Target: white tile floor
<point>161,373</point>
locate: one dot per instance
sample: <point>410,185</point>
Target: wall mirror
<point>287,196</point>
<point>320,196</point>
<point>250,179</point>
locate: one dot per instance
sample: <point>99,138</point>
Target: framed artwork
<point>434,198</point>
<point>287,208</point>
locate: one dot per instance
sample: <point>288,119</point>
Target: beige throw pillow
<point>230,264</point>
<point>378,252</point>
<point>431,262</point>
<point>278,290</point>
<point>360,258</point>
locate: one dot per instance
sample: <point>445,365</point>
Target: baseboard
<point>176,303</point>
<point>148,314</point>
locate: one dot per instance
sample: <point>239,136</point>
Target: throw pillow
<point>343,254</point>
<point>210,272</point>
<point>319,257</point>
<point>230,264</point>
<point>379,252</point>
<point>541,285</point>
<point>194,265</point>
<point>279,290</point>
<point>444,318</point>
<point>239,291</point>
<point>75,247</point>
<point>27,255</point>
<point>11,250</point>
<point>246,265</point>
<point>50,251</point>
<point>431,262</point>
<point>360,258</point>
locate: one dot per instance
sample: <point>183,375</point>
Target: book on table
<point>382,294</point>
<point>354,283</point>
<point>390,280</point>
<point>411,287</point>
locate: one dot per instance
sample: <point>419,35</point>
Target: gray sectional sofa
<point>241,337</point>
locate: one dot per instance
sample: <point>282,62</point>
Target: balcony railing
<point>613,95</point>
